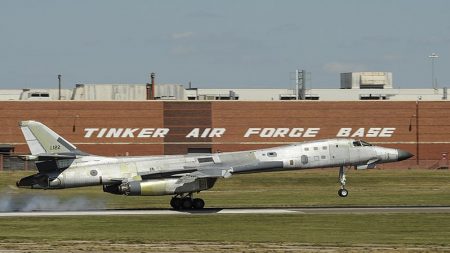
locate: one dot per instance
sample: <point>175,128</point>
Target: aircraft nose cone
<point>403,155</point>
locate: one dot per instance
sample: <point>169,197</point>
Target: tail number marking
<point>55,147</point>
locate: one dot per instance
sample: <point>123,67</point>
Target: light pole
<point>59,87</point>
<point>433,81</point>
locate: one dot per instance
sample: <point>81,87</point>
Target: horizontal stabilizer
<point>47,157</point>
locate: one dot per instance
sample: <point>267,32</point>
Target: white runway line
<point>146,212</point>
<point>342,210</point>
<point>212,211</point>
<point>257,211</point>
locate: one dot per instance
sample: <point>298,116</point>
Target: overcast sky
<point>221,43</point>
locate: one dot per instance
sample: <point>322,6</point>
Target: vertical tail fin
<point>43,140</point>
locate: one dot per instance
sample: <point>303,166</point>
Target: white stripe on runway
<point>206,211</point>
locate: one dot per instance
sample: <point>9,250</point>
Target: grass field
<point>253,233</point>
<point>285,189</point>
<point>337,230</point>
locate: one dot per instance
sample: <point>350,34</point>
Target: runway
<point>219,211</point>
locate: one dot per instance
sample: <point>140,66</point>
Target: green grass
<point>319,229</point>
<point>287,189</point>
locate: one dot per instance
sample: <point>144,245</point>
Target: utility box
<point>366,80</point>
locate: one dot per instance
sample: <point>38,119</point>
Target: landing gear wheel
<point>342,180</point>
<point>343,193</point>
<point>175,203</point>
<point>198,203</point>
<point>186,203</point>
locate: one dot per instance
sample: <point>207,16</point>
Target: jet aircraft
<point>61,165</point>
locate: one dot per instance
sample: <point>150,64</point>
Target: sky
<point>221,44</point>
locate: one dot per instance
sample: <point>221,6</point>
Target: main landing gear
<point>186,202</point>
<point>342,192</point>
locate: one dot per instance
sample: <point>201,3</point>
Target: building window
<point>306,149</point>
<point>199,150</point>
<point>312,97</point>
<point>324,147</point>
<point>316,148</point>
<point>287,97</point>
<point>323,157</point>
<point>36,94</point>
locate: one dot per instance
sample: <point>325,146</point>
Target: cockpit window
<point>361,143</point>
<point>365,143</point>
<point>357,144</point>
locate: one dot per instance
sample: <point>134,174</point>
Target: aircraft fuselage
<point>98,170</point>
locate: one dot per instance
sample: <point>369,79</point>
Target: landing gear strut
<point>186,202</point>
<point>342,192</point>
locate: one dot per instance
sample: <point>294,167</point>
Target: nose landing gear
<point>342,192</point>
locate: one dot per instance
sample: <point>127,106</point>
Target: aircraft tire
<point>343,193</point>
<point>175,203</point>
<point>198,203</point>
<point>186,203</point>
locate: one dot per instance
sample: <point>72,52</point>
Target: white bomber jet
<point>62,165</point>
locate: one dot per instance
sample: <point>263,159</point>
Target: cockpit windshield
<point>356,144</point>
<point>365,143</point>
<point>361,143</point>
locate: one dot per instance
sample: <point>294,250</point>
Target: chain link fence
<point>11,163</point>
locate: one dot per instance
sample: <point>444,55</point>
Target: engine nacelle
<point>159,187</point>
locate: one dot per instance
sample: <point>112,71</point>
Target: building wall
<point>70,119</point>
<point>181,118</point>
<point>423,128</point>
<point>170,92</point>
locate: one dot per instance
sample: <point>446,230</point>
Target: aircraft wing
<point>166,174</point>
<point>197,172</point>
<point>206,172</point>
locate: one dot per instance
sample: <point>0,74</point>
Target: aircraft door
<point>339,153</point>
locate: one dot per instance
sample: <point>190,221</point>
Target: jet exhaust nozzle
<point>39,181</point>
